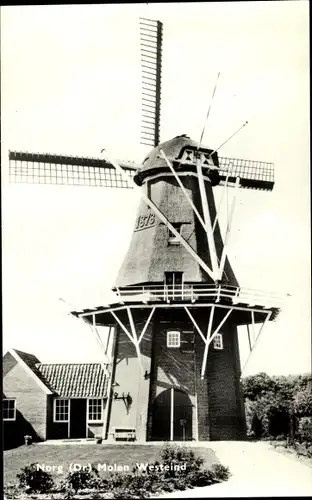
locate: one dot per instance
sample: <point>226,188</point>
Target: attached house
<point>52,401</point>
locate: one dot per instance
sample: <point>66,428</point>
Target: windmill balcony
<point>197,293</point>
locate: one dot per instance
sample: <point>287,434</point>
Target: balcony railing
<point>199,292</point>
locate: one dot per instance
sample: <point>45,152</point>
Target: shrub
<point>305,429</point>
<point>34,479</point>
<point>220,472</point>
<point>180,455</point>
<point>82,479</point>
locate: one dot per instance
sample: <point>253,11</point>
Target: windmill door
<point>172,416</point>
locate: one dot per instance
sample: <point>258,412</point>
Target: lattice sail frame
<point>151,55</point>
<point>36,168</point>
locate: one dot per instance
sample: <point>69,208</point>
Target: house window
<point>9,409</point>
<point>173,240</point>
<point>218,341</point>
<point>173,338</point>
<point>95,410</point>
<point>61,410</point>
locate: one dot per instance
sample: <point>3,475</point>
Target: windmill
<point>178,303</point>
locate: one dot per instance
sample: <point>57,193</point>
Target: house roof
<point>29,361</point>
<point>78,380</point>
<point>68,380</point>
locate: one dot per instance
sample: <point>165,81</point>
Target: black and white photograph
<point>156,249</point>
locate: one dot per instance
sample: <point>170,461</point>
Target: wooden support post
<point>207,342</point>
<point>171,412</point>
<point>253,329</point>
<point>249,340</point>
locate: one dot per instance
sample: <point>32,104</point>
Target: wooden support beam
<point>122,326</point>
<point>146,324</point>
<point>174,306</point>
<point>207,342</point>
<point>208,226</point>
<point>249,340</point>
<point>268,315</point>
<point>183,190</point>
<point>228,230</point>
<point>135,337</point>
<point>195,324</point>
<point>220,326</point>
<point>164,219</point>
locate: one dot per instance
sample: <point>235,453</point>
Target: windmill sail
<point>151,52</point>
<point>35,168</point>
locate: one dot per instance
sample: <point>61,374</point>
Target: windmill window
<point>9,409</point>
<point>173,240</point>
<point>218,341</point>
<point>173,338</point>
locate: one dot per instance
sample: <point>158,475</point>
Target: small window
<point>9,409</point>
<point>95,410</point>
<point>218,341</point>
<point>173,339</point>
<point>173,240</point>
<point>61,410</point>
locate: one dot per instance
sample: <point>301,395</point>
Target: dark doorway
<point>78,418</point>
<point>161,417</point>
<point>176,412</point>
<point>182,417</point>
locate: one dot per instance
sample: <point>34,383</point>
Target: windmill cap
<point>174,150</point>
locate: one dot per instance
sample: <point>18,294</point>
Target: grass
<point>64,455</point>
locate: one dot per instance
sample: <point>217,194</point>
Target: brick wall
<point>221,414</point>
<point>216,401</point>
<point>31,400</point>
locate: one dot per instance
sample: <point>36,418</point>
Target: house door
<point>172,416</point>
<point>78,418</point>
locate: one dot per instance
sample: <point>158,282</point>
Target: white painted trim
<point>29,371</point>
<point>181,174</point>
<point>218,336</point>
<point>164,306</point>
<point>171,412</point>
<point>14,410</point>
<point>54,410</point>
<point>179,338</point>
<point>102,412</point>
<point>69,417</point>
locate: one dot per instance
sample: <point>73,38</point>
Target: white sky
<point>71,85</point>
